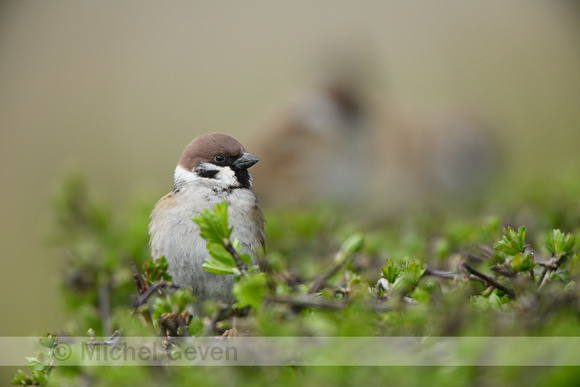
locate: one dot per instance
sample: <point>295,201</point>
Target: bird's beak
<point>245,161</point>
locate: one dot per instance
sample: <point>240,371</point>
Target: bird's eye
<point>219,158</point>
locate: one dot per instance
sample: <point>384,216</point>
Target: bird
<point>212,169</point>
<point>344,143</point>
<point>322,141</point>
<point>370,158</point>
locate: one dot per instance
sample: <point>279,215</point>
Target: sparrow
<point>345,141</point>
<point>212,169</point>
<point>322,140</point>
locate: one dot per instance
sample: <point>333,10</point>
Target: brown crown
<point>204,148</point>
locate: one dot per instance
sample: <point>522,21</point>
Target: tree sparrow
<point>345,142</point>
<point>323,142</point>
<point>212,169</point>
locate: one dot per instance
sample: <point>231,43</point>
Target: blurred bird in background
<point>318,148</point>
<point>338,143</point>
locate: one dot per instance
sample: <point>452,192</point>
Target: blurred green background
<point>117,89</point>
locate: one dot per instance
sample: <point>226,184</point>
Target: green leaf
<point>413,271</point>
<point>353,244</point>
<point>492,302</point>
<point>250,290</point>
<point>22,379</point>
<point>479,303</point>
<point>390,271</point>
<point>195,326</point>
<point>560,243</point>
<point>244,257</point>
<point>213,226</point>
<point>156,270</point>
<point>521,238</point>
<point>221,261</point>
<point>575,263</point>
<point>512,242</point>
<point>41,377</point>
<point>48,340</point>
<point>409,276</point>
<point>523,262</point>
<point>218,252</point>
<point>570,241</point>
<point>37,363</point>
<point>214,229</point>
<point>175,302</point>
<point>216,267</point>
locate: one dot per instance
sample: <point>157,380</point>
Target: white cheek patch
<point>183,175</point>
<point>227,177</point>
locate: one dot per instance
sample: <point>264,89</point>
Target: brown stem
<point>242,267</point>
<point>339,262</point>
<point>136,278</point>
<point>309,302</point>
<point>319,280</point>
<point>143,297</point>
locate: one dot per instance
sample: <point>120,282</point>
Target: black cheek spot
<point>207,173</point>
<point>243,177</point>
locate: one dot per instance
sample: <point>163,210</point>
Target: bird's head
<point>217,160</point>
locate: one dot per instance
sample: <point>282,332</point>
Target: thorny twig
<point>112,341</point>
<point>136,278</point>
<point>489,280</point>
<point>339,262</point>
<point>548,267</point>
<point>169,322</point>
<point>503,270</point>
<point>319,280</point>
<point>143,297</point>
<point>450,275</point>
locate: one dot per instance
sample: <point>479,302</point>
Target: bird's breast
<point>175,236</point>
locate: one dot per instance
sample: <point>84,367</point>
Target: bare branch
<point>340,261</point>
<point>489,280</point>
<point>143,297</point>
<point>503,270</point>
<point>113,340</point>
<point>310,302</point>
<point>548,267</point>
<point>307,302</point>
<point>320,279</point>
<point>450,275</point>
<point>136,278</point>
